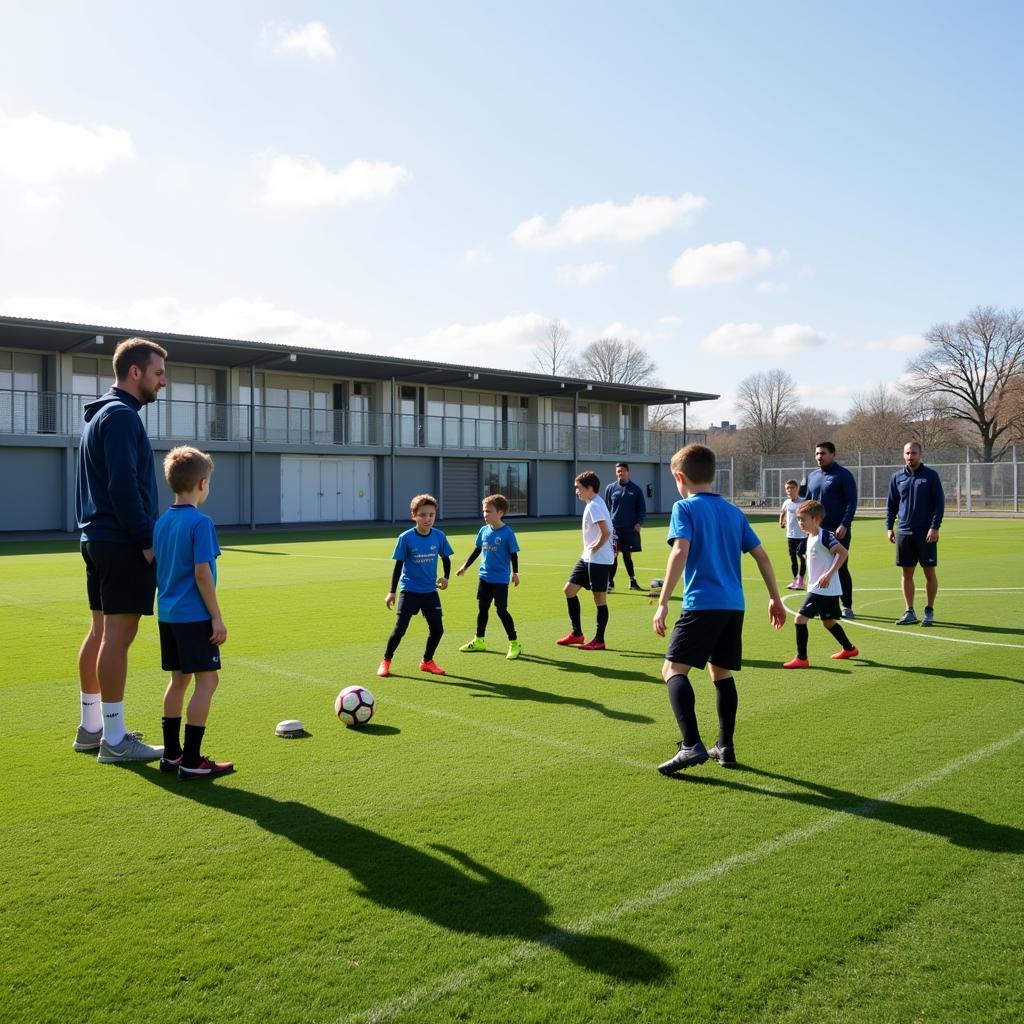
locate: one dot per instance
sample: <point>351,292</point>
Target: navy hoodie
<point>115,494</point>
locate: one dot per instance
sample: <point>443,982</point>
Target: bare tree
<point>975,365</point>
<point>808,426</point>
<point>878,421</point>
<point>665,417</point>
<point>767,403</point>
<point>553,354</point>
<point>615,361</point>
<point>932,425</point>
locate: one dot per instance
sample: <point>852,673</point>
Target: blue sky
<point>735,186</point>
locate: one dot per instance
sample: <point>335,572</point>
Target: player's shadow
<point>508,691</point>
<point>591,668</point>
<point>975,627</point>
<point>446,887</point>
<point>958,827</point>
<point>824,663</point>
<point>942,673</point>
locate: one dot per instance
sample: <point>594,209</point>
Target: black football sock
<point>681,697</point>
<point>602,621</point>
<point>613,570</point>
<point>840,634</point>
<point>574,615</point>
<point>193,744</point>
<point>726,701</point>
<point>801,640</point>
<point>172,736</point>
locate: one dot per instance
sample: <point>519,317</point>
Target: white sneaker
<point>129,750</point>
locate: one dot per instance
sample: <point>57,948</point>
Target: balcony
<point>40,413</point>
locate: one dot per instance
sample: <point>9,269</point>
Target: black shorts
<point>118,578</point>
<point>700,637</point>
<point>186,647</point>
<point>496,592</point>
<point>912,548</point>
<point>410,604</point>
<point>821,606</point>
<point>628,540</point>
<point>797,546</point>
<point>590,576</point>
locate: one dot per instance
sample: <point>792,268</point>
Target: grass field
<point>497,846</point>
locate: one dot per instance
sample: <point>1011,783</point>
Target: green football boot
<point>478,643</point>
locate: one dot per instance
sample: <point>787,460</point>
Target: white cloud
<point>634,221</point>
<point>721,264</point>
<point>248,319</point>
<point>300,181</point>
<point>311,40</point>
<point>671,320</point>
<point>506,343</point>
<point>584,273</point>
<point>902,343</point>
<point>627,333</point>
<point>38,153</point>
<point>756,339</point>
<point>771,287</point>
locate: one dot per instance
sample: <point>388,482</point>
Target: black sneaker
<point>725,756</point>
<point>633,585</point>
<point>611,585</point>
<point>686,758</point>
<point>170,764</point>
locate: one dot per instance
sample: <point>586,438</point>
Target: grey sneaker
<point>848,613</point>
<point>908,618</point>
<point>725,756</point>
<point>929,617</point>
<point>85,740</point>
<point>686,758</point>
<point>129,750</point>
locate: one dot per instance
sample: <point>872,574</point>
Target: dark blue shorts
<point>912,548</point>
<point>702,636</point>
<point>118,578</point>
<point>186,647</point>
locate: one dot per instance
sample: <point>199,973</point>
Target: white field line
<point>919,634</point>
<point>456,981</point>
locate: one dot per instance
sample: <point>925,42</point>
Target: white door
<point>330,490</point>
<point>291,490</point>
<point>357,489</point>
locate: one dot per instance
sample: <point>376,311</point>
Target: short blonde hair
<point>185,466</point>
<point>420,500</point>
<point>696,462</point>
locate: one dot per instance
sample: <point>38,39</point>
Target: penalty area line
<point>456,981</point>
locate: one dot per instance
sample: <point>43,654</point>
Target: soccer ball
<point>355,706</point>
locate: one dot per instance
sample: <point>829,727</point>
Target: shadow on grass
<point>593,668</point>
<point>374,729</point>
<point>945,672</point>
<point>509,691</point>
<point>959,828</point>
<point>446,887</point>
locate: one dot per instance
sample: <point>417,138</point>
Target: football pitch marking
<point>456,981</point>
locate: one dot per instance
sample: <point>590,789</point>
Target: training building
<point>308,435</point>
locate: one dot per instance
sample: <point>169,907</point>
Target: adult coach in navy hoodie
<point>117,503</point>
<point>625,501</point>
<point>834,486</point>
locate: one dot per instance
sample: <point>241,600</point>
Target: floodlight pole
<point>252,446</point>
<point>392,460</point>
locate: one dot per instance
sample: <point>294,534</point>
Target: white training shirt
<point>819,559</point>
<point>596,512</point>
<point>793,531</point>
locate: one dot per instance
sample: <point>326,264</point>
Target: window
<point>511,479</point>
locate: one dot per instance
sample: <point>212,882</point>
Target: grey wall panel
<point>35,480</point>
<point>554,490</point>
<point>413,476</point>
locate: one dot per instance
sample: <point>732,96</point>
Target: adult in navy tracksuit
<point>116,502</point>
<point>834,486</point>
<point>625,501</point>
<point>917,498</point>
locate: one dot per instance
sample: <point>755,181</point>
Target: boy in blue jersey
<point>191,625</point>
<point>416,555</point>
<point>708,535</point>
<point>500,564</point>
<point>825,558</point>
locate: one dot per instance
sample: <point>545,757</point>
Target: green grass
<point>497,846</point>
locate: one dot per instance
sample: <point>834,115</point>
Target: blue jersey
<point>182,539</point>
<point>497,547</point>
<point>418,554</point>
<point>719,534</point>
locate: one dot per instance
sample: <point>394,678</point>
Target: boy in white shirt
<point>794,535</point>
<point>824,557</point>
<point>594,567</point>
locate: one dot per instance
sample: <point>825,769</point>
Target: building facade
<point>304,435</point>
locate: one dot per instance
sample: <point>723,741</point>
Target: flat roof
<point>54,336</point>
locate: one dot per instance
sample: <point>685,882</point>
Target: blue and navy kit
<point>418,554</point>
<point>836,489</point>
<point>182,539</point>
<point>918,498</point>
<point>498,547</point>
<point>115,491</point>
<point>718,533</point>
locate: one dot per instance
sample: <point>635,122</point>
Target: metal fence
<point>30,412</point>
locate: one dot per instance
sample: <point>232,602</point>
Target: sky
<point>735,186</point>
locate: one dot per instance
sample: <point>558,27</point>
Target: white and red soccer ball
<point>355,706</point>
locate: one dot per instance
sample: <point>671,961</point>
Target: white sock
<point>113,722</point>
<point>92,717</point>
